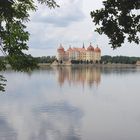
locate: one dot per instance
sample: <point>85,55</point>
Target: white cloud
<point>70,24</point>
<point>69,11</point>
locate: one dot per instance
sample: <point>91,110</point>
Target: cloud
<point>70,11</point>
<point>70,24</point>
<point>50,27</point>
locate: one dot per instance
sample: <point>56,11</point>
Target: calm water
<point>71,104</point>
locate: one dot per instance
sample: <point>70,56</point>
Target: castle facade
<point>81,54</point>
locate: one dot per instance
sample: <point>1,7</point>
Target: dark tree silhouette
<point>119,20</point>
<point>13,34</point>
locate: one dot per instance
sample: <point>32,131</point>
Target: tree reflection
<point>2,83</point>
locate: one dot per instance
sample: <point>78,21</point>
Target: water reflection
<point>58,120</point>
<point>79,75</point>
<point>6,131</point>
<point>35,107</point>
<point>119,70</point>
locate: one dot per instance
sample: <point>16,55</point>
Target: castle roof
<point>90,48</point>
<point>97,49</point>
<point>81,50</point>
<point>60,48</point>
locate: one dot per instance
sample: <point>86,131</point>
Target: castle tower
<point>90,53</point>
<point>60,53</point>
<point>97,54</point>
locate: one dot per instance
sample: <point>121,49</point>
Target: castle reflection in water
<point>79,75</point>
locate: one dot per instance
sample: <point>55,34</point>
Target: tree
<point>44,59</point>
<point>13,34</point>
<point>119,20</point>
<point>119,59</point>
<point>3,83</point>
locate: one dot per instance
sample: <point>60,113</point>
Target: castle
<point>90,54</point>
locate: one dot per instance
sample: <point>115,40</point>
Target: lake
<point>71,103</point>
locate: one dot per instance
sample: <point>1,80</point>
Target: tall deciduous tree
<point>119,20</point>
<point>13,34</point>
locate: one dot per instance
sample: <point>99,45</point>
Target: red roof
<point>97,49</point>
<point>60,48</point>
<point>90,48</point>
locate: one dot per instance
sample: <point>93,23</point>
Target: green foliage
<point>119,59</point>
<point>22,63</point>
<point>119,19</point>
<point>49,3</point>
<point>2,83</point>
<point>2,63</point>
<point>13,15</point>
<point>13,35</point>
<point>44,59</point>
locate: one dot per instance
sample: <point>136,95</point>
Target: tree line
<point>119,59</point>
<point>42,59</point>
<point>45,59</point>
<point>107,59</point>
<point>104,60</point>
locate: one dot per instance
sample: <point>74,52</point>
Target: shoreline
<point>85,65</point>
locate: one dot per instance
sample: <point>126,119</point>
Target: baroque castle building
<point>82,54</point>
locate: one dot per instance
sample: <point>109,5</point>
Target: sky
<point>70,25</point>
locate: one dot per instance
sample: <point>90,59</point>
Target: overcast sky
<point>70,24</point>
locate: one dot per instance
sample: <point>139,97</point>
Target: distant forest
<point>106,59</point>
<point>119,59</point>
<point>45,59</point>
